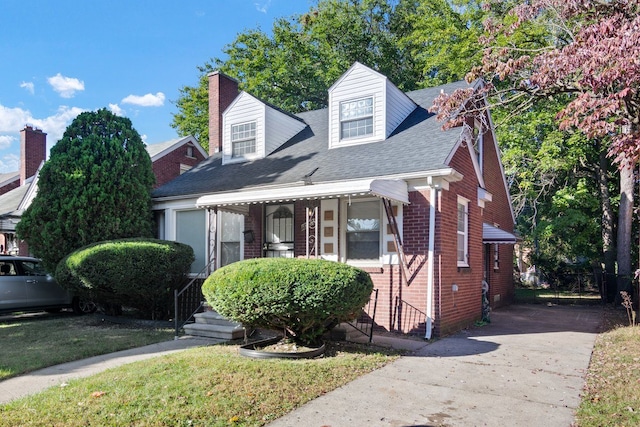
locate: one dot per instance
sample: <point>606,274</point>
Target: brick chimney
<point>33,151</point>
<point>222,91</point>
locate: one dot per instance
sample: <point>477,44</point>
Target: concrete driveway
<point>526,368</point>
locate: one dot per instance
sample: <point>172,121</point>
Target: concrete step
<point>226,332</point>
<point>213,318</point>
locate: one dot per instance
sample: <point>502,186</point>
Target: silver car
<point>26,286</point>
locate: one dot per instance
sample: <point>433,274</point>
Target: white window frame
<point>243,137</point>
<point>240,236</point>
<point>358,117</point>
<point>464,233</point>
<point>496,256</point>
<point>377,262</point>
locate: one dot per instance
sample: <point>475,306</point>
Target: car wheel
<point>81,306</point>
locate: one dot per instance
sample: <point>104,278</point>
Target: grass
<point>612,391</point>
<point>33,342</point>
<point>206,386</point>
<point>539,295</point>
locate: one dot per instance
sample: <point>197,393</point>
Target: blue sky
<point>59,58</point>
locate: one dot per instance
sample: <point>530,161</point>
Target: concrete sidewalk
<point>36,381</point>
<point>526,368</point>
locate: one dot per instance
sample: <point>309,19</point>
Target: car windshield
<point>33,268</point>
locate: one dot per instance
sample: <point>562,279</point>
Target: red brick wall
<point>253,222</point>
<point>498,213</point>
<point>456,310</point>
<point>168,166</point>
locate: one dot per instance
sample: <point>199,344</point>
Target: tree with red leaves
<point>591,52</point>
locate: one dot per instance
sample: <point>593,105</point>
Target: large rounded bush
<point>300,296</point>
<point>137,273</point>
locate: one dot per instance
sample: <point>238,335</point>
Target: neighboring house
<point>174,157</point>
<point>372,181</point>
<point>169,159</point>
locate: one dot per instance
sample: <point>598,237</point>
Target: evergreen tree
<point>95,186</point>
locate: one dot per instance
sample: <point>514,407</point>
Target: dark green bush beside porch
<point>302,297</point>
<point>137,273</point>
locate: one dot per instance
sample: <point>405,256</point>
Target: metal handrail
<point>361,323</point>
<point>176,295</point>
<point>408,316</point>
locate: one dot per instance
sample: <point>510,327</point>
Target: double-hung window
<point>463,232</point>
<point>356,118</point>
<point>243,139</point>
<point>363,231</point>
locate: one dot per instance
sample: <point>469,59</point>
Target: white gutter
<point>430,260</point>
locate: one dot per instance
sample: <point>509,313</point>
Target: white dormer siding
<point>368,103</point>
<point>251,118</point>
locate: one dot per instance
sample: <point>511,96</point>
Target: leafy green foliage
<point>414,43</point>
<point>137,273</point>
<point>300,296</point>
<point>95,186</point>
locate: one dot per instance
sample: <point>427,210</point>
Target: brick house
<point>169,159</point>
<point>372,181</point>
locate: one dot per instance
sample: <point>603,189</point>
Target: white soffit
<point>394,190</point>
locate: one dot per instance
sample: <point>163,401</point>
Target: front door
<point>279,227</point>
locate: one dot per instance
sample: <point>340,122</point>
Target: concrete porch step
<point>213,318</point>
<point>226,332</point>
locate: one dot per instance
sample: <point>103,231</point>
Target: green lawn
<point>33,342</point>
<point>612,393</point>
<point>206,386</point>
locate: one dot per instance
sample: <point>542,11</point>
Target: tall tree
<point>304,55</point>
<point>591,53</point>
<point>95,186</point>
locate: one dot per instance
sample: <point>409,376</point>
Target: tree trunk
<point>607,232</point>
<point>625,221</point>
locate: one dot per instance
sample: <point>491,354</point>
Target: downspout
<point>431,257</point>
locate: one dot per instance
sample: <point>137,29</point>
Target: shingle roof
<point>418,145</point>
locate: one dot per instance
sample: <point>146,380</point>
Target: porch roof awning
<point>491,234</point>
<point>395,190</point>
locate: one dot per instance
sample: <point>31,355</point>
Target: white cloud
<point>28,86</point>
<point>65,86</point>
<point>115,109</point>
<point>148,100</point>
<point>6,141</point>
<point>9,163</point>
<point>12,120</point>
<point>263,7</point>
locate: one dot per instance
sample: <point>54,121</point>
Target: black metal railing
<point>365,322</point>
<point>408,319</point>
<point>189,300</point>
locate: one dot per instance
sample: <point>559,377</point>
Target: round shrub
<point>137,273</point>
<point>303,297</point>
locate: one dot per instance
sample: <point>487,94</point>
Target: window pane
<point>357,128</point>
<point>232,226</point>
<point>243,131</point>
<point>355,109</point>
<point>243,147</point>
<point>363,230</point>
<point>461,217</point>
<point>461,257</point>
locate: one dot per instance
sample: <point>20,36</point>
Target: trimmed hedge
<point>138,273</point>
<point>303,297</point>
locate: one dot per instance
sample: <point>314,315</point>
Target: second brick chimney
<point>222,91</point>
<point>33,151</point>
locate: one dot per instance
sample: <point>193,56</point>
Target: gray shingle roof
<point>418,145</point>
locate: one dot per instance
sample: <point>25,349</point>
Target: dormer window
<point>243,139</point>
<point>356,118</point>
